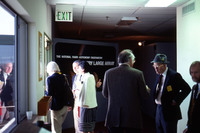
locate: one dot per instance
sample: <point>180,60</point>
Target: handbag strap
<point>66,80</point>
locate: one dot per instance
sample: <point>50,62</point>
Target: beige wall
<point>188,46</point>
<point>38,15</point>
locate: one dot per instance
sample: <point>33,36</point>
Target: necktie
<point>159,85</point>
<point>193,99</point>
<point>196,91</point>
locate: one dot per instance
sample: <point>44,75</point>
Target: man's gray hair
<point>52,67</point>
<point>125,56</point>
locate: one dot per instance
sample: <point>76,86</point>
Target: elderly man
<point>194,107</point>
<point>6,90</point>
<point>125,88</point>
<point>169,92</point>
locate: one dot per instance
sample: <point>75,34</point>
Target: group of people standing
<point>84,92</point>
<point>125,89</point>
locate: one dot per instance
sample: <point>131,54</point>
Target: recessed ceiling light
<point>126,21</point>
<point>159,3</point>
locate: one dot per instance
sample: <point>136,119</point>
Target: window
<point>22,69</point>
<point>7,70</point>
<point>13,69</point>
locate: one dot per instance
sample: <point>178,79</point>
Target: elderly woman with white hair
<point>57,88</point>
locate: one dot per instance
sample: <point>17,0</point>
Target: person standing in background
<point>125,88</point>
<point>194,107</point>
<point>169,92</point>
<point>57,88</point>
<point>85,98</point>
<point>6,90</point>
<point>75,67</point>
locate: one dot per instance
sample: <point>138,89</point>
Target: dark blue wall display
<point>101,56</point>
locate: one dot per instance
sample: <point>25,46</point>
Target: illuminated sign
<point>64,13</point>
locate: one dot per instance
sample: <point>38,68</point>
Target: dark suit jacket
<point>57,88</point>
<point>175,88</point>
<point>194,120</point>
<point>7,90</point>
<point>125,88</point>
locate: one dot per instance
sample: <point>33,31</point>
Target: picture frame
<point>47,46</point>
<point>40,58</point>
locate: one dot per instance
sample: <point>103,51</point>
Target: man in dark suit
<point>125,88</point>
<point>194,107</point>
<point>169,92</point>
<point>6,89</point>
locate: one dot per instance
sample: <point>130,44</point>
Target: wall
<point>38,15</point>
<point>188,45</point>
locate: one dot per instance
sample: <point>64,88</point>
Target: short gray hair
<point>125,56</point>
<point>52,67</point>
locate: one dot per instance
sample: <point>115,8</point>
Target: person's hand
<point>69,108</point>
<point>184,131</point>
<point>98,83</point>
<point>46,89</point>
<point>148,89</point>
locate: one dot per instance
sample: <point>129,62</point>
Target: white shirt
<point>5,77</point>
<point>198,90</point>
<point>158,100</point>
<point>86,91</point>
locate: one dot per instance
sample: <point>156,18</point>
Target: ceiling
<point>98,19</point>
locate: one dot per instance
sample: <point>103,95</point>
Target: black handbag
<point>69,97</point>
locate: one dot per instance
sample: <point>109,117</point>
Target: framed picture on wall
<point>40,63</point>
<point>47,45</point>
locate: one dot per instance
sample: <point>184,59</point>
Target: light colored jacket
<point>87,91</point>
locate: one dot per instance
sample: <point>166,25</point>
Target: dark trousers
<point>123,130</point>
<point>163,126</point>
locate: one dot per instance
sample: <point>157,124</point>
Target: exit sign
<point>64,13</point>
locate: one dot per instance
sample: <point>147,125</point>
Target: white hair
<point>125,56</point>
<point>52,67</point>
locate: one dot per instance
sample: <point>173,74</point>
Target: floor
<point>99,128</point>
<point>148,124</point>
<point>28,126</point>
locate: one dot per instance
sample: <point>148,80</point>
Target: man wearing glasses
<point>169,92</point>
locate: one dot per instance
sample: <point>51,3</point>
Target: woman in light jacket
<point>85,96</point>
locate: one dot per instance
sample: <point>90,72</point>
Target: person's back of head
<point>52,67</point>
<point>125,56</point>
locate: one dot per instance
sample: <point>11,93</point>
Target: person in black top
<point>57,88</point>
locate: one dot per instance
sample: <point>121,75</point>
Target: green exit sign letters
<point>64,13</point>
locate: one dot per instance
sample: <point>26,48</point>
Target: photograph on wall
<point>40,65</point>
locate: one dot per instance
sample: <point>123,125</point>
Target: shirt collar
<point>5,74</point>
<point>165,72</point>
<point>198,85</point>
<point>124,64</point>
